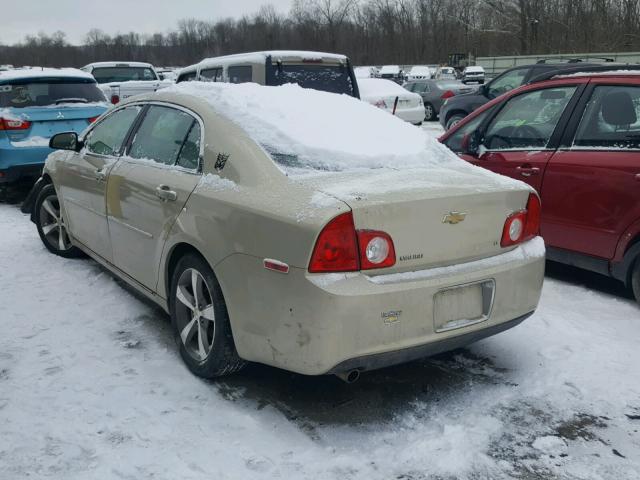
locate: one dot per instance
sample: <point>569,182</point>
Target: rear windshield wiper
<point>71,100</point>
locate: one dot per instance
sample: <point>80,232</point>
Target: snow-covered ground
<point>92,387</point>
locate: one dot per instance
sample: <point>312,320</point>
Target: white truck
<point>120,80</point>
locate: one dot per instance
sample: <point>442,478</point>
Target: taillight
<point>92,119</point>
<point>523,225</point>
<point>115,99</point>
<point>447,94</point>
<point>340,248</point>
<point>14,124</point>
<point>376,250</point>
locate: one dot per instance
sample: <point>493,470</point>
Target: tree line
<point>370,32</point>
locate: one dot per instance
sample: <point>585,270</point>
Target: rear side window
<point>189,156</point>
<point>107,137</point>
<point>41,93</point>
<point>611,119</point>
<point>211,75</point>
<point>240,74</point>
<point>122,74</point>
<point>161,135</point>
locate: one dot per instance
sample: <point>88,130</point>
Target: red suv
<point>574,136</point>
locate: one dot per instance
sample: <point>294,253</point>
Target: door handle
<point>528,171</point>
<point>101,176</point>
<point>164,192</point>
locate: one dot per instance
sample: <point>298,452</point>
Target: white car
<point>391,72</point>
<point>120,80</point>
<point>365,72</point>
<point>419,72</point>
<point>473,74</point>
<point>384,93</point>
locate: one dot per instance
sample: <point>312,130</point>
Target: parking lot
<point>92,386</point>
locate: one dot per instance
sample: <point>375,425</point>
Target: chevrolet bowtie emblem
<point>453,218</point>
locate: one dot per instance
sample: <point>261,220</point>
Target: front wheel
<point>200,320</point>
<point>51,224</point>
<point>635,279</point>
<point>454,120</point>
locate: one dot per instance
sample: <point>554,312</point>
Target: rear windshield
<point>122,74</point>
<point>328,78</point>
<point>40,93</point>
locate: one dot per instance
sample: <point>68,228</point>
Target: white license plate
<point>462,305</point>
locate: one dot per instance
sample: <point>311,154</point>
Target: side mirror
<point>470,144</point>
<point>65,141</point>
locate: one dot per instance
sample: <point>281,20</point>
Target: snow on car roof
<point>118,64</point>
<point>343,134</point>
<point>599,74</point>
<point>26,73</point>
<point>370,87</point>
<point>262,56</point>
<point>474,68</point>
<point>420,70</point>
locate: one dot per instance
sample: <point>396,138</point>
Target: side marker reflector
<point>276,265</point>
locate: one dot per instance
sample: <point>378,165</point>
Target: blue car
<point>35,104</point>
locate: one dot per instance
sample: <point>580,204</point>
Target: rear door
<point>521,138</point>
<point>591,192</point>
<point>82,179</point>
<point>150,186</point>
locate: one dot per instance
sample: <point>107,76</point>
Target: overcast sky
<point>77,17</point>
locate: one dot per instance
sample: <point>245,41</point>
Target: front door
<point>517,141</point>
<point>591,192</point>
<point>149,187</point>
<point>83,179</point>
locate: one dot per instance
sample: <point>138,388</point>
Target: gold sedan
<point>291,227</point>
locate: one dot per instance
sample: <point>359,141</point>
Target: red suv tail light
<point>13,124</point>
<point>447,94</point>
<point>115,99</point>
<point>523,225</point>
<point>340,248</point>
<point>92,119</point>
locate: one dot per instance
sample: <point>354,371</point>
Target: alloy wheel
<point>53,224</point>
<point>195,314</point>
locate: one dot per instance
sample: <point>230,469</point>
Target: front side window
<point>456,140</point>
<point>240,74</point>
<point>107,137</point>
<point>122,74</point>
<point>48,91</point>
<point>611,119</point>
<point>161,135</point>
<point>506,82</point>
<point>528,120</point>
<point>212,75</point>
<point>187,77</point>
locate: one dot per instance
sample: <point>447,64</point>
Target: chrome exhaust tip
<point>351,376</point>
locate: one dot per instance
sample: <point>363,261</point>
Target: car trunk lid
<point>432,223</point>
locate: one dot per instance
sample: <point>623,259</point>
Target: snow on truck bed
<point>308,132</point>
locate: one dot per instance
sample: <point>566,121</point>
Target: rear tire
<point>200,320</point>
<point>51,224</point>
<point>429,112</point>
<point>454,120</point>
<point>635,279</point>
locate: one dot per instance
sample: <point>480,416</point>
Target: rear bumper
<point>411,115</point>
<point>326,323</point>
<point>15,173</point>
<point>387,359</point>
<point>16,163</point>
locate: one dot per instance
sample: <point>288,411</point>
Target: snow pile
<point>306,130</point>
<point>217,183</point>
<point>31,142</point>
